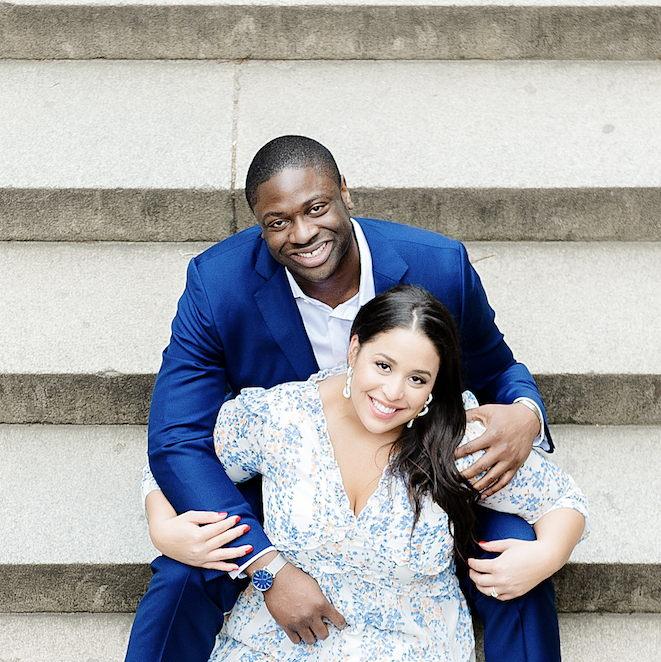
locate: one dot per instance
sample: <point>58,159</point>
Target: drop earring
<point>423,412</point>
<point>346,391</point>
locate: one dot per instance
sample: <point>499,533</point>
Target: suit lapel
<point>277,306</point>
<point>388,266</point>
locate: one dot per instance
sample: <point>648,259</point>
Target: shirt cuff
<point>540,441</point>
<point>240,574</point>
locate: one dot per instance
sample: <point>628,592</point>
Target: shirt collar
<point>366,290</point>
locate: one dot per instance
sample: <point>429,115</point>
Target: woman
<point>362,491</point>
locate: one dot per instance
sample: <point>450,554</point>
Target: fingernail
<point>222,514</point>
<point>246,528</point>
<point>482,542</point>
<point>249,549</point>
<point>238,519</point>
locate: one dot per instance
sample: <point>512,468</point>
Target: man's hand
<point>297,604</point>
<point>520,567</point>
<point>510,431</point>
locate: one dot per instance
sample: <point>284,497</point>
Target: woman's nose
<point>393,389</point>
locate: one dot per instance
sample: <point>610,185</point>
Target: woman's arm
<point>546,497</point>
<point>524,564</point>
<point>200,538</point>
<point>197,538</point>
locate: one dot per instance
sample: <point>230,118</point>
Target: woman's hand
<point>522,565</point>
<point>199,538</point>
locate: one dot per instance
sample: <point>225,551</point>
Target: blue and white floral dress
<point>398,591</point>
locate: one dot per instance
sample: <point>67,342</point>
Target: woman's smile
<point>381,410</point>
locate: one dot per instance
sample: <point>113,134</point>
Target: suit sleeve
<point>491,369</point>
<point>189,390</point>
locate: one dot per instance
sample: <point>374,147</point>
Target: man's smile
<point>313,257</point>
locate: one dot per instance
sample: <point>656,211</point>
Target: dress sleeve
<point>239,434</point>
<point>537,488</point>
<point>148,483</point>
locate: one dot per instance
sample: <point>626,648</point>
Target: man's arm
<point>498,378</point>
<point>189,390</point>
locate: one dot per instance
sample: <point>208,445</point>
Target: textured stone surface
<point>602,399</point>
<point>118,215</point>
<point>610,638</point>
<point>124,399</point>
<point>528,214</point>
<point>71,494</point>
<point>616,467</point>
<point>615,588</point>
<point>470,214</point>
<point>115,124</point>
<point>99,308</point>
<point>72,588</point>
<point>473,124</point>
<point>64,637</point>
<point>574,307</point>
<point>106,307</point>
<point>75,399</point>
<point>117,588</point>
<point>103,637</point>
<point>463,124</point>
<point>267,32</point>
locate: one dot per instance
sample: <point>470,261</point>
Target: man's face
<point>305,221</point>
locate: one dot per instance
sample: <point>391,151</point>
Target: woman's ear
<point>354,347</point>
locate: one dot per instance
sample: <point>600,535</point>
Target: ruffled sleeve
<point>239,434</point>
<point>537,488</point>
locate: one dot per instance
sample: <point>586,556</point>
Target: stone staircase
<point>531,132</point>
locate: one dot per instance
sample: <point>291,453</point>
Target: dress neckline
<point>327,444</point>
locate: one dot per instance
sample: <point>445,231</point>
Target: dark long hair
<point>424,454</point>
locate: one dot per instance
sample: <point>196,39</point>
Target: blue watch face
<point>262,580</point>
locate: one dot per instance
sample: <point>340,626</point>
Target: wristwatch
<point>262,580</point>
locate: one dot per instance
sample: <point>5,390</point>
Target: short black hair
<point>288,152</point>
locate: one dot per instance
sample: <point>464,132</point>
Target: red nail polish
<point>249,549</point>
<point>247,528</point>
<point>222,514</point>
<point>482,542</point>
<point>238,519</point>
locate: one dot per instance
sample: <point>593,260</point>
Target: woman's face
<point>393,375</point>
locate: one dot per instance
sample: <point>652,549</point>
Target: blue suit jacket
<point>237,325</point>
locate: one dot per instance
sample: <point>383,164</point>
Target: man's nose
<point>302,231</point>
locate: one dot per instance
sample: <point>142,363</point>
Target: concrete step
<point>81,546</point>
<point>469,214</point>
<point>341,30</point>
<point>108,308</point>
<point>489,150</point>
<point>103,637</point>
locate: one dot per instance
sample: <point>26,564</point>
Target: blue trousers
<point>182,611</point>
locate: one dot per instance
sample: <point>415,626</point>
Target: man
<point>274,304</point>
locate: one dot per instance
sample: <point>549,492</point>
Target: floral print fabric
<point>397,590</point>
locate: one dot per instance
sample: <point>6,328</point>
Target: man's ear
<point>354,346</point>
<point>346,196</point>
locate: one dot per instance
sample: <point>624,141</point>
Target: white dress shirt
<point>328,328</point>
